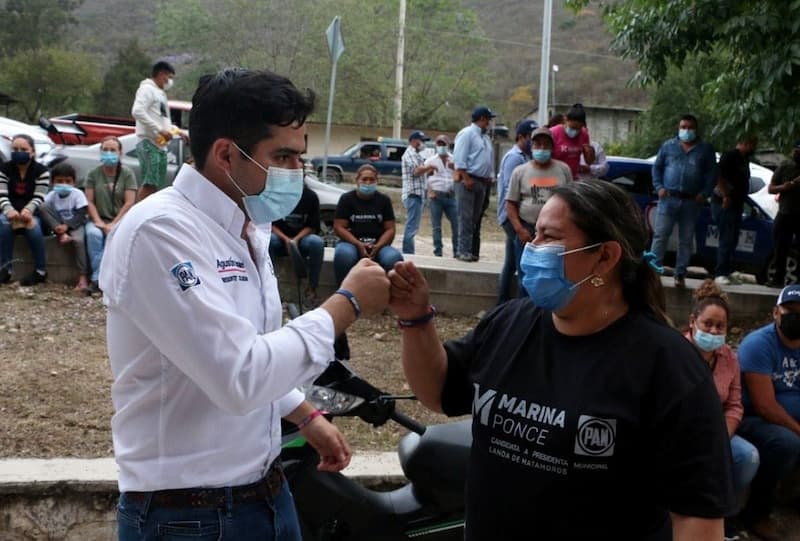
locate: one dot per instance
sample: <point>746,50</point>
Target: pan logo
<point>595,436</point>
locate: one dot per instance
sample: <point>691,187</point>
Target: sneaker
<point>93,288</point>
<point>732,532</point>
<point>33,278</point>
<point>5,276</point>
<point>466,258</point>
<point>680,281</point>
<point>723,280</point>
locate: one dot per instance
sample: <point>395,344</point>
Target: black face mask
<point>790,325</point>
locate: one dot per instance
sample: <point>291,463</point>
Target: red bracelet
<point>313,415</point>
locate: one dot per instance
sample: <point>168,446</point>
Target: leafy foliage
<point>121,80</point>
<point>31,24</point>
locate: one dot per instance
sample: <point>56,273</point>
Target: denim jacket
<point>693,172</point>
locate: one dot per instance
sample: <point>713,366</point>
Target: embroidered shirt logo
<point>595,436</point>
<point>185,276</point>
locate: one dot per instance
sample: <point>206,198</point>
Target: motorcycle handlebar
<point>407,422</point>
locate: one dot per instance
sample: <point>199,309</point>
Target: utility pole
<point>544,68</point>
<point>398,80</point>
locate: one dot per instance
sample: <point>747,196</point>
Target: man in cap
<point>440,194</point>
<point>770,363</point>
<point>414,172</point>
<point>519,154</point>
<point>786,182</point>
<point>474,172</point>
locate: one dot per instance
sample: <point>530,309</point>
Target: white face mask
<point>168,84</point>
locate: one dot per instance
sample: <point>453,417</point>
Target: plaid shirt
<point>413,184</point>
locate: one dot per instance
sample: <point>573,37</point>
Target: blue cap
<point>526,127</point>
<point>789,294</point>
<point>418,135</point>
<point>482,111</point>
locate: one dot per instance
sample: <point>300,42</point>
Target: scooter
<point>333,507</point>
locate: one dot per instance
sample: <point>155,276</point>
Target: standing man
<point>786,182</point>
<point>518,155</point>
<point>203,370</point>
<point>474,171</point>
<point>441,196</point>
<point>727,202</point>
<point>414,172</point>
<point>151,112</point>
<point>684,175</point>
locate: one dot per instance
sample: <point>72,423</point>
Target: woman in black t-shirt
<point>364,221</point>
<point>23,185</point>
<point>592,417</point>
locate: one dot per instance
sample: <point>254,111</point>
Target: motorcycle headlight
<point>334,402</point>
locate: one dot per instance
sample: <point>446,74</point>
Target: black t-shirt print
<point>365,217</point>
<point>593,437</point>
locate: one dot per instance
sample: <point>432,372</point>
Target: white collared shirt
<point>203,369</point>
<point>440,180</point>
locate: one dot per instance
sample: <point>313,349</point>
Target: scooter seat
<point>437,460</point>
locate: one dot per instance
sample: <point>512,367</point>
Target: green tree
<point>116,95</point>
<point>30,24</point>
<point>49,80</point>
<point>760,41</point>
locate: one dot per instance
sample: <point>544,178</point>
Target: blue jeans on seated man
<point>95,245</point>
<point>274,519</point>
<point>311,247</point>
<point>683,212</point>
<point>444,203</point>
<point>728,221</point>
<point>35,240</point>
<point>413,204</point>
<point>745,462</point>
<point>345,256</point>
<point>779,451</point>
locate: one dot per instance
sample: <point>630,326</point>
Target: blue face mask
<point>20,157</point>
<point>687,136</point>
<point>62,190</point>
<point>109,158</point>
<point>707,341</point>
<point>571,132</point>
<point>544,278</point>
<point>441,150</point>
<point>282,191</point>
<point>368,189</point>
<point>542,155</point>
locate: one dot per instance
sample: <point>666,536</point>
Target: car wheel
<point>332,176</point>
<point>792,269</point>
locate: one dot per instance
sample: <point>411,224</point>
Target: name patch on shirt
<point>231,270</point>
<point>185,276</point>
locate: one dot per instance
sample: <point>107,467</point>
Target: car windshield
<point>351,149</point>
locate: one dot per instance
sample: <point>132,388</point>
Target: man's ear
<point>610,254</point>
<point>220,155</point>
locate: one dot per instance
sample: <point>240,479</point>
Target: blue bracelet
<point>409,323</point>
<point>350,297</point>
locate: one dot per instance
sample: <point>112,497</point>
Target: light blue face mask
<point>543,275</point>
<point>62,190</point>
<point>572,133</point>
<point>367,189</point>
<point>707,341</point>
<point>109,158</point>
<point>687,136</point>
<point>541,155</point>
<point>282,191</point>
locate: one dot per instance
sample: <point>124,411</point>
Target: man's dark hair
<point>690,118</point>
<point>243,105</point>
<point>577,112</point>
<point>63,169</point>
<point>160,66</point>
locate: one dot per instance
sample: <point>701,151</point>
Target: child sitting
<point>64,211</point>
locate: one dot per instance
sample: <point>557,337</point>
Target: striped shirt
<point>18,193</point>
<point>413,184</point>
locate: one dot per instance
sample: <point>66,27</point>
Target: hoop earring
<point>597,281</point>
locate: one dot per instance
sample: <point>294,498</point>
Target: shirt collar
<point>209,199</point>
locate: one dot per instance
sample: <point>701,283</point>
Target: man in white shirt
<point>441,198</point>
<point>203,369</point>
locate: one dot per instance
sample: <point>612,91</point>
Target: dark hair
<point>555,120</point>
<point>690,118</point>
<point>709,294</point>
<point>160,66</point>
<point>366,167</point>
<point>605,212</point>
<point>111,138</point>
<point>577,112</point>
<point>243,105</point>
<point>63,169</point>
<point>27,137</point>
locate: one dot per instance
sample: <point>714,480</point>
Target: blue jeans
<point>311,247</point>
<point>345,256</point>
<point>95,244</point>
<point>470,209</point>
<point>510,265</point>
<point>35,242</point>
<point>728,221</point>
<point>443,203</point>
<point>779,449</point>
<point>413,204</point>
<point>273,519</point>
<point>745,462</point>
<point>684,212</point>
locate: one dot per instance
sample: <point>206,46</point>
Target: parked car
<point>754,251</point>
<point>385,154</point>
<point>9,128</point>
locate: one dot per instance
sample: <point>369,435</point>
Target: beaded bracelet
<point>311,416</point>
<point>350,297</point>
<point>408,323</point>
